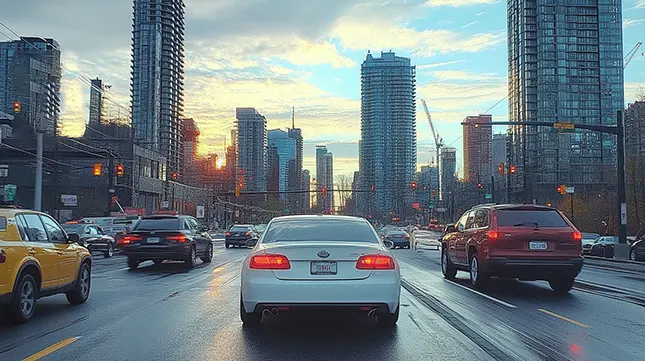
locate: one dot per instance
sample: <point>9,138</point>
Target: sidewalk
<point>611,263</point>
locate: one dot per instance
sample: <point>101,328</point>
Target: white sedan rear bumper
<point>262,287</point>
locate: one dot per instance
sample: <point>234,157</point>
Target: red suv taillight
<point>269,261</point>
<point>179,238</point>
<point>577,236</point>
<point>128,239</point>
<point>3,256</point>
<point>492,235</point>
<point>375,262</point>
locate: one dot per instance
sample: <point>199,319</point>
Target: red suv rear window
<point>530,218</point>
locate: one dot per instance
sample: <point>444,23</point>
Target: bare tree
<point>640,94</point>
<point>343,183</point>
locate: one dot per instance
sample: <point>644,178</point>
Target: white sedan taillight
<point>375,262</point>
<point>269,261</point>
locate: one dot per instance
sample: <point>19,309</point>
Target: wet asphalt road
<point>164,312</point>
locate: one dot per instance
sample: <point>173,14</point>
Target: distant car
<point>637,251</point>
<point>588,240</point>
<point>168,237</point>
<point>528,242</point>
<point>239,234</point>
<point>38,259</point>
<point>305,263</point>
<point>399,239</point>
<point>604,246</point>
<point>92,237</point>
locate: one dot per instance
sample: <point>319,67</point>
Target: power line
<point>84,151</point>
<point>34,154</point>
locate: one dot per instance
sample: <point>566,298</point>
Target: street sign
<point>165,204</point>
<point>489,196</point>
<point>570,190</point>
<point>201,211</point>
<point>10,192</point>
<point>4,170</point>
<point>69,200</point>
<point>564,126</point>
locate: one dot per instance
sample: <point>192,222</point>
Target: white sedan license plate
<point>323,268</point>
<point>538,245</point>
<point>152,240</point>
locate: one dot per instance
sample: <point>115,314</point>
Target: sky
<point>277,54</point>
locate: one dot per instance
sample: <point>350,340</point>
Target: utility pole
<point>111,190</point>
<point>622,191</point>
<point>492,188</point>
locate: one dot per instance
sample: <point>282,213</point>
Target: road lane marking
<point>51,349</point>
<point>564,318</point>
<point>483,294</point>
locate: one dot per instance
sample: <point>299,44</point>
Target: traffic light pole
<point>38,185</point>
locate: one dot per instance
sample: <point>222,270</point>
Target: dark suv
<point>239,234</point>
<point>528,242</point>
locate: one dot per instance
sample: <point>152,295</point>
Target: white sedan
<point>309,262</point>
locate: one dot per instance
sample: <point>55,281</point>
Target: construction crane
<point>438,141</point>
<point>631,53</point>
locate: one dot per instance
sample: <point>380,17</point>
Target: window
<point>481,219</point>
<point>35,230</point>
<point>55,233</point>
<point>530,218</point>
<point>158,224</point>
<point>470,219</point>
<point>93,230</point>
<point>319,230</point>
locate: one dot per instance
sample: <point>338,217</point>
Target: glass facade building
<point>158,76</point>
<point>252,148</point>
<point>286,152</point>
<point>324,178</point>
<point>565,64</point>
<point>388,147</point>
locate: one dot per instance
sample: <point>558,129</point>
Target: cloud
<point>465,75</point>
<point>640,4</point>
<point>361,35</point>
<point>632,22</point>
<point>470,24</point>
<point>480,13</point>
<point>436,65</point>
<point>458,3</point>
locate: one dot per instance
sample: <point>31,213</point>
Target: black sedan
<point>637,251</point>
<point>239,234</point>
<point>168,237</point>
<point>92,237</point>
<point>399,239</point>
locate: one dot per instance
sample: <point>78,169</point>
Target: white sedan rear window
<point>319,231</point>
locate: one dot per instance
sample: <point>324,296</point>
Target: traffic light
<point>16,106</point>
<point>480,186</point>
<point>433,194</point>
<point>512,169</point>
<point>174,175</point>
<point>500,169</point>
<point>98,169</point>
<point>120,170</point>
<point>413,185</point>
<point>324,192</point>
<point>240,182</point>
<point>562,189</point>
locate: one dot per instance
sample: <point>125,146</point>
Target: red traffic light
<point>373,187</point>
<point>16,106</point>
<point>413,185</point>
<point>500,169</point>
<point>324,192</point>
<point>174,175</point>
<point>480,186</point>
<point>98,169</point>
<point>120,170</point>
<point>434,194</point>
<point>512,169</point>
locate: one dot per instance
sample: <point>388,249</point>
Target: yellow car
<point>38,259</point>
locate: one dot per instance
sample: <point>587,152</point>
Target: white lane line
<point>482,294</point>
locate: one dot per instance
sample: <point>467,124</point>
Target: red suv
<point>528,242</point>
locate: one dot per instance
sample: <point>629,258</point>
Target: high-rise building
<point>189,142</point>
<point>96,103</point>
<point>295,178</point>
<point>388,147</point>
<point>286,148</point>
<point>428,185</point>
<point>324,179</point>
<point>477,148</point>
<point>306,185</point>
<point>498,154</point>
<point>30,73</point>
<point>158,76</point>
<point>273,173</point>
<point>252,148</point>
<point>635,128</point>
<point>448,159</point>
<point>564,65</point>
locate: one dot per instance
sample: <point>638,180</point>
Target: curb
<point>613,260</point>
